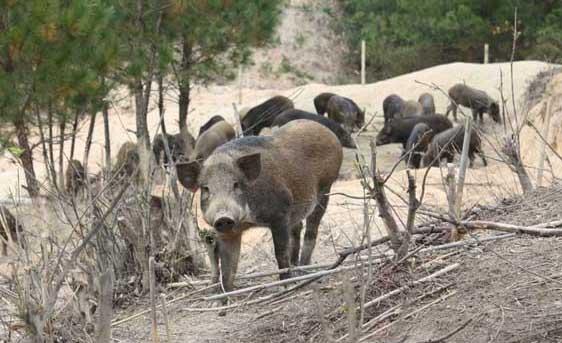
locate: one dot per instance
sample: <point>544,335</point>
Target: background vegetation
<point>407,35</point>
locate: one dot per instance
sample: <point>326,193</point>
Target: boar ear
<point>250,165</point>
<point>188,172</point>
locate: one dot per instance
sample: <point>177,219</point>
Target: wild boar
<point>291,115</point>
<point>264,114</point>
<point>475,99</point>
<point>276,182</point>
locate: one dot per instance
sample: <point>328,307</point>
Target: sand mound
<point>545,117</point>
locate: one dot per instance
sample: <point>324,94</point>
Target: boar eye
<point>236,185</point>
<point>204,189</point>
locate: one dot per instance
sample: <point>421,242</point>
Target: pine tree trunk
<point>44,149</point>
<point>73,138</point>
<point>141,105</point>
<point>89,140</point>
<point>184,88</point>
<point>107,140</point>
<point>62,127</point>
<point>161,103</point>
<point>51,164</point>
<point>26,158</point>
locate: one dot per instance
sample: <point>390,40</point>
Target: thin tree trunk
<point>511,150</point>
<point>44,149</point>
<point>73,138</point>
<point>141,105</point>
<point>51,164</point>
<point>62,127</point>
<point>107,140</point>
<point>26,158</point>
<point>105,301</point>
<point>398,241</point>
<point>184,88</point>
<point>161,103</point>
<point>89,140</point>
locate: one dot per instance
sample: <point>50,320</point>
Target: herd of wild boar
<point>282,179</point>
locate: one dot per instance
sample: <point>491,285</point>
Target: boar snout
<point>223,224</point>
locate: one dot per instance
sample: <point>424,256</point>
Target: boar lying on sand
<point>276,182</point>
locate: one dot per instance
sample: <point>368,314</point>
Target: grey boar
<point>291,115</point>
<point>478,101</point>
<point>211,139</point>
<point>212,121</point>
<point>264,114</point>
<point>428,104</point>
<point>392,106</point>
<point>346,112</point>
<point>321,102</point>
<point>445,144</point>
<point>398,130</point>
<point>75,177</point>
<point>276,182</point>
<point>417,144</point>
<point>411,108</point>
<point>9,226</point>
<point>180,147</point>
<point>128,160</point>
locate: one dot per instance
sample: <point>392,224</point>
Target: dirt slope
<point>304,49</point>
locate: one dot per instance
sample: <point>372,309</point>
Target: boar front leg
<point>281,244</point>
<point>229,253</point>
<point>212,251</point>
<point>295,243</point>
<point>312,223</point>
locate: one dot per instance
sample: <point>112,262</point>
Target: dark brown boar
<point>276,182</point>
<point>292,115</point>
<point>264,114</point>
<point>398,130</point>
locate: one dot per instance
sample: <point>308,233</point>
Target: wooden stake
<point>463,165</point>
<point>451,189</point>
<point>240,85</point>
<point>363,62</point>
<point>486,53</point>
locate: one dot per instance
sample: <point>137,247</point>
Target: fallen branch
<point>280,282</point>
<point>534,231</point>
<point>415,283</point>
<point>468,242</point>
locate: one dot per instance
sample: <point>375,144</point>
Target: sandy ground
<point>343,213</point>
